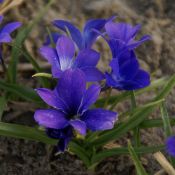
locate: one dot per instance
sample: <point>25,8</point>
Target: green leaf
<point>166,120</point>
<point>159,123</point>
<point>21,37</point>
<point>29,133</point>
<point>134,120</point>
<point>124,151</point>
<point>139,167</point>
<point>155,123</point>
<point>24,132</point>
<point>46,75</point>
<point>125,95</point>
<point>138,108</point>
<point>21,91</point>
<point>80,152</point>
<point>2,105</point>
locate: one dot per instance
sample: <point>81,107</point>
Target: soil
<point>22,157</point>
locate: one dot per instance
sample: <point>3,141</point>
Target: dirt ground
<point>21,157</point>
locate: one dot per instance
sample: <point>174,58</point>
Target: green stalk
<point>108,94</point>
<point>136,130</point>
<point>139,167</point>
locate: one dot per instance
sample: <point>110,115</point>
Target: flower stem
<point>136,130</point>
<point>3,65</point>
<point>108,94</point>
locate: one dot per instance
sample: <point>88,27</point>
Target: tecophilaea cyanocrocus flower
<point>126,73</point>
<point>170,145</point>
<point>125,33</point>
<point>71,102</point>
<point>5,32</point>
<point>62,58</point>
<point>86,38</point>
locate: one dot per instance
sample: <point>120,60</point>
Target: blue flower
<point>71,111</point>
<point>1,1</point>
<point>86,38</point>
<point>126,73</point>
<point>5,32</point>
<point>62,58</point>
<point>170,145</point>
<point>125,33</point>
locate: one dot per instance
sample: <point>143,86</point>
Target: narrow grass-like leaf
<point>21,91</point>
<point>139,167</point>
<point>2,105</point>
<point>24,132</point>
<point>80,152</point>
<point>138,108</point>
<point>155,123</point>
<point>125,114</point>
<point>166,120</point>
<point>133,121</point>
<point>125,95</point>
<point>29,133</point>
<point>124,151</point>
<point>136,130</point>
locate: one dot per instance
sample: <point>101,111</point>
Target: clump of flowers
<point>70,99</point>
<point>80,115</point>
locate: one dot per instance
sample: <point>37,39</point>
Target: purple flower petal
<point>71,88</point>
<point>51,98</point>
<point>92,74</point>
<point>65,50</point>
<point>115,66</point>
<point>134,44</point>
<point>87,58</point>
<point>50,55</point>
<point>117,47</point>
<point>129,69</point>
<point>142,78</point>
<point>10,27</point>
<point>75,33</point>
<point>88,34</point>
<point>99,119</point>
<point>126,55</point>
<point>170,145</point>
<point>51,118</point>
<point>121,31</point>
<point>111,81</point>
<point>89,97</point>
<point>5,38</point>
<point>79,126</point>
<point>63,143</point>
